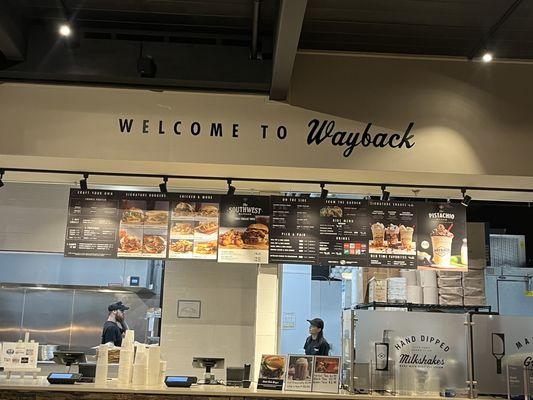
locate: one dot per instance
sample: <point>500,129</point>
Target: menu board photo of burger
<point>442,237</point>
<point>271,372</point>
<point>143,231</point>
<point>194,226</point>
<point>244,229</point>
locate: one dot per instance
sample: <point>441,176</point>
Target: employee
<point>115,326</point>
<point>316,344</point>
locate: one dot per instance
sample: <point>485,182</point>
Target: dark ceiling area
<point>243,45</point>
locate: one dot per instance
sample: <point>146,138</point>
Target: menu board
<point>144,221</point>
<point>393,240</point>
<point>326,374</point>
<point>194,226</point>
<point>343,232</point>
<point>294,230</point>
<point>244,229</point>
<point>442,237</point>
<point>272,372</point>
<point>92,224</point>
<point>299,373</point>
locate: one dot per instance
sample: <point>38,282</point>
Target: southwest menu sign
<point>92,224</point>
<point>343,232</point>
<point>442,237</point>
<point>293,235</point>
<point>393,241</point>
<point>244,229</point>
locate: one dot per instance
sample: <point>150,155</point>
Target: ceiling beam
<point>484,42</point>
<point>290,20</point>
<point>12,38</point>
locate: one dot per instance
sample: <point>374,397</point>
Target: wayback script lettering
<point>319,132</point>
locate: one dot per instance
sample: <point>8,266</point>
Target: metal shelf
<point>140,290</point>
<point>425,307</point>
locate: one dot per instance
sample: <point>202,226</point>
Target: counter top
<point>40,384</point>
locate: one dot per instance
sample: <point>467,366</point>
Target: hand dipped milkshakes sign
<point>421,350</point>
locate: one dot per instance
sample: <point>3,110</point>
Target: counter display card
<point>144,223</point>
<point>299,373</point>
<point>442,237</point>
<point>393,240</point>
<point>92,225</point>
<point>271,372</point>
<point>244,229</point>
<point>326,374</point>
<point>294,230</point>
<point>344,232</point>
<point>194,226</point>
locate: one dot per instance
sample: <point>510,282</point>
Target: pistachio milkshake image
<point>441,240</point>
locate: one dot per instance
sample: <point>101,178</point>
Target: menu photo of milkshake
<point>244,232</point>
<point>194,226</point>
<point>343,232</point>
<point>299,373</point>
<point>442,237</point>
<point>393,241</point>
<point>143,231</point>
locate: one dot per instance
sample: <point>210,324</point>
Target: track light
<point>83,182</point>
<point>163,185</point>
<point>385,195</point>
<point>323,191</point>
<point>487,57</point>
<point>466,198</point>
<point>231,189</point>
<point>65,30</point>
<point>1,177</point>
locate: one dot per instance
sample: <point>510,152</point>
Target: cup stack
<point>154,365</point>
<point>414,290</point>
<point>428,281</point>
<point>102,365</point>
<point>396,290</point>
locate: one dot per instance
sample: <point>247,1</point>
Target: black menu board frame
<point>343,232</point>
<point>392,241</point>
<point>294,230</point>
<point>92,223</point>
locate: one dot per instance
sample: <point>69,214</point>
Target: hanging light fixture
<point>231,189</point>
<point>323,191</point>
<point>385,195</point>
<point>83,182</point>
<point>466,198</point>
<point>163,185</point>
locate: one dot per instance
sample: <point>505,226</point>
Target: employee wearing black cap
<point>316,344</point>
<point>114,327</point>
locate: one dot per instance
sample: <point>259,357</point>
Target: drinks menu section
<point>343,232</point>
<point>393,240</point>
<point>92,224</point>
<point>294,230</point>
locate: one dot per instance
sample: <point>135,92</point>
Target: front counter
<point>40,389</point>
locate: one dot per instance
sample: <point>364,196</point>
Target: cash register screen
<point>61,376</point>
<point>177,379</point>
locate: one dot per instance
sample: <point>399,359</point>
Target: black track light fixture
<point>2,172</point>
<point>323,191</point>
<point>163,185</point>
<point>385,195</point>
<point>83,182</point>
<point>231,189</point>
<point>466,198</point>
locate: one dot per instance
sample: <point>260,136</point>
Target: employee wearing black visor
<point>115,326</point>
<point>316,344</point>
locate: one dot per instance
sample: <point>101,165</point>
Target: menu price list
<point>92,224</point>
<point>294,230</point>
<point>343,233</point>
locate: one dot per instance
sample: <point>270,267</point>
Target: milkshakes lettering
<point>421,350</point>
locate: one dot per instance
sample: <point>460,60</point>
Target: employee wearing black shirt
<point>114,326</point>
<point>316,344</point>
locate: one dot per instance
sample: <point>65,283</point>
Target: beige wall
<point>227,325</point>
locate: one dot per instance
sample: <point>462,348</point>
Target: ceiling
<point>220,45</point>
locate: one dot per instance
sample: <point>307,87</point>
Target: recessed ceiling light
<point>64,30</point>
<point>487,57</point>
